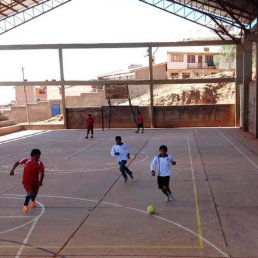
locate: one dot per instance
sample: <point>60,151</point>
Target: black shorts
<point>163,181</point>
<point>140,125</point>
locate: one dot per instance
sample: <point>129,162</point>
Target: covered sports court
<point>85,209</point>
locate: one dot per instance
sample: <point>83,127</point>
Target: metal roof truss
<point>18,18</point>
<point>216,15</point>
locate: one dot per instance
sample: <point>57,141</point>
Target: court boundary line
<point>244,155</point>
<point>26,136</point>
<point>196,199</point>
<point>26,239</point>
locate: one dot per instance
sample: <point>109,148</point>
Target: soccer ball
<point>151,209</point>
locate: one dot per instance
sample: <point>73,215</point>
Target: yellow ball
<point>151,209</point>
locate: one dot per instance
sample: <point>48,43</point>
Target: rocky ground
<point>190,94</point>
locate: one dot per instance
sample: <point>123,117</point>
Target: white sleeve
<point>127,149</point>
<point>171,159</point>
<point>113,150</point>
<point>153,163</point>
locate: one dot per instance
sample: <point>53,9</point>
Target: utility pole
<point>26,103</point>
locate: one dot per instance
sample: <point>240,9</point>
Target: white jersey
<point>122,149</point>
<point>163,163</point>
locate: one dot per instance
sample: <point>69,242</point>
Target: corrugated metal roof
<point>10,7</point>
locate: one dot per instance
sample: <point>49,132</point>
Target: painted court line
<point>196,201</point>
<point>24,137</point>
<point>238,149</point>
<point>92,170</point>
<point>12,217</point>
<point>138,210</point>
<point>11,196</point>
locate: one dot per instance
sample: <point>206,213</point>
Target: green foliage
<point>228,55</point>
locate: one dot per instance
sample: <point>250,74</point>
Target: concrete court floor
<point>85,210</point>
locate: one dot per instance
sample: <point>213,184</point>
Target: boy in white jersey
<point>163,161</point>
<point>122,153</point>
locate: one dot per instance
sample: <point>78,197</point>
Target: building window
<point>177,58</point>
<point>190,58</point>
<point>174,75</point>
<point>186,75</point>
<point>208,59</point>
<point>42,91</point>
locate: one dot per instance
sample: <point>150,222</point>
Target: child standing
<point>33,175</point>
<point>163,161</point>
<point>122,153</point>
<point>140,123</point>
<point>90,124</point>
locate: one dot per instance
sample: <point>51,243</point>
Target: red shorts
<point>90,129</point>
<point>31,187</point>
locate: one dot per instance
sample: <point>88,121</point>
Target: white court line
<point>238,150</point>
<point>27,223</point>
<point>92,170</point>
<point>7,172</point>
<point>142,211</point>
<point>184,228</point>
<point>24,137</point>
<point>30,231</point>
<point>11,217</point>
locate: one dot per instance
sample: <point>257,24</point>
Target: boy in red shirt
<point>33,175</point>
<point>140,123</point>
<point>90,123</point>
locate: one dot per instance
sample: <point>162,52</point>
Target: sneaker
<point>86,137</point>
<point>91,136</point>
<point>25,208</point>
<point>170,196</point>
<point>126,179</point>
<point>167,199</point>
<point>33,204</point>
<point>136,132</point>
<point>131,176</point>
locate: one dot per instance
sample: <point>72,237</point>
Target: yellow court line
<point>105,246</point>
<point>195,198</point>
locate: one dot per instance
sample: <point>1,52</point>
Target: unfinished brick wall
<point>37,112</point>
<point>165,117</point>
<point>122,117</point>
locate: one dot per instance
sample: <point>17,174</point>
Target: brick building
<point>33,94</point>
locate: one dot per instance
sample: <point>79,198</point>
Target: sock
<point>27,200</point>
<point>33,198</point>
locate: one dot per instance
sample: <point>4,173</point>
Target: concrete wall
<point>10,129</point>
<point>165,117</point>
<point>159,73</point>
<point>76,117</point>
<point>251,113</point>
<point>37,112</point>
<point>7,123</point>
<point>195,115</point>
<point>87,99</point>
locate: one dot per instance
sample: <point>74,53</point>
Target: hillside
<point>189,94</point>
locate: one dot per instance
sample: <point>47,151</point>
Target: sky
<point>88,21</point>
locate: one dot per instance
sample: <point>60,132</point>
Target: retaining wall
<point>165,116</point>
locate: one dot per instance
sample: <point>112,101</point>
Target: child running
<point>33,175</point>
<point>163,160</point>
<point>90,124</point>
<point>122,153</point>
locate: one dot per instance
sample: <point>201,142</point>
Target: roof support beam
<point>231,14</point>
<point>120,45</point>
